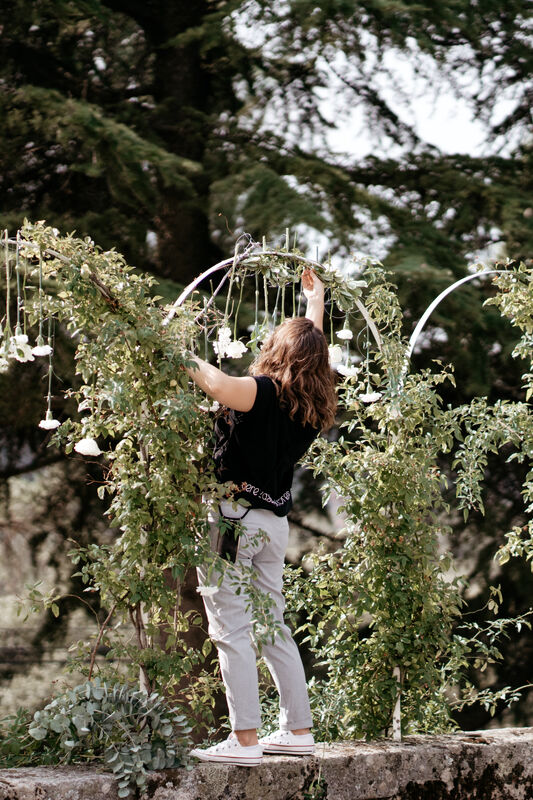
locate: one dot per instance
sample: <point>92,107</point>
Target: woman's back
<point>257,450</point>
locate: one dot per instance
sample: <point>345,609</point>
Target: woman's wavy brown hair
<point>296,357</point>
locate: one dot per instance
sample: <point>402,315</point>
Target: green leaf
<point>38,732</point>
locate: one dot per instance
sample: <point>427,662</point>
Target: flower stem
<point>17,272</point>
<point>8,322</point>
<point>49,399</point>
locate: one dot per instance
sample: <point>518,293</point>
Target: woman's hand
<point>312,286</point>
<point>313,289</point>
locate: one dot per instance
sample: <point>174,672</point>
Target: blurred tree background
<point>165,129</point>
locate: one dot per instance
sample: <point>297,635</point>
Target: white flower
<point>49,423</point>
<point>345,333</point>
<point>236,349</point>
<point>207,591</point>
<point>41,349</point>
<point>87,447</point>
<point>19,348</point>
<point>223,340</point>
<point>370,397</point>
<point>215,405</point>
<point>224,346</point>
<point>4,364</point>
<point>335,353</point>
<point>348,372</point>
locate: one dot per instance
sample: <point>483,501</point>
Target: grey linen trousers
<point>230,624</point>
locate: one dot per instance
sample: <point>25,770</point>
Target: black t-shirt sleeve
<point>265,397</point>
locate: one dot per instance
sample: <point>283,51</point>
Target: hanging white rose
<point>87,447</point>
<point>4,364</point>
<point>369,397</point>
<point>335,353</point>
<point>345,334</point>
<point>236,349</point>
<point>222,342</point>
<point>224,346</point>
<point>19,348</point>
<point>49,423</point>
<point>348,372</point>
<point>41,349</point>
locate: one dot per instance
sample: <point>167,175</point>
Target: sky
<point>427,101</point>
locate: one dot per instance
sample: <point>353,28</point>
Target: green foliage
<point>388,599</point>
<point>18,748</point>
<point>515,301</point>
<point>133,396</point>
<point>133,732</point>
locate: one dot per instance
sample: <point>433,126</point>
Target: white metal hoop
<point>431,308</point>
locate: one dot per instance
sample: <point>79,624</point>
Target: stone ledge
<point>486,765</point>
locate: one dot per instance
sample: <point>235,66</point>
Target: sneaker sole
<point>290,749</point>
<point>240,761</point>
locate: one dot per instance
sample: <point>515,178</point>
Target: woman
<point>269,421</point>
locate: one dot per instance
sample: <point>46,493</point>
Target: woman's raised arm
<point>236,393</point>
<point>313,289</point>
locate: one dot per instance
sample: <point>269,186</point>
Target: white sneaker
<point>231,751</point>
<point>289,743</point>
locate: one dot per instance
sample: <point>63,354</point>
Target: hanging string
<point>40,340</point>
<point>347,325</point>
<point>206,354</point>
<point>282,317</point>
<point>228,295</point>
<point>256,301</point>
<point>367,366</point>
<point>8,279</point>
<point>50,338</point>
<point>241,277</point>
<point>18,329</point>
<point>265,294</point>
<point>49,423</point>
<point>93,395</point>
<point>231,279</point>
<point>275,314</point>
<point>24,279</point>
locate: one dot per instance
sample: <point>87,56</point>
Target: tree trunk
<point>183,119</point>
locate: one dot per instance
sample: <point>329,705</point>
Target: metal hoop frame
<point>230,263</point>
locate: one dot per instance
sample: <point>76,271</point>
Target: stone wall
<point>487,765</point>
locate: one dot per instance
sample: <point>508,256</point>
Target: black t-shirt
<point>257,449</point>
